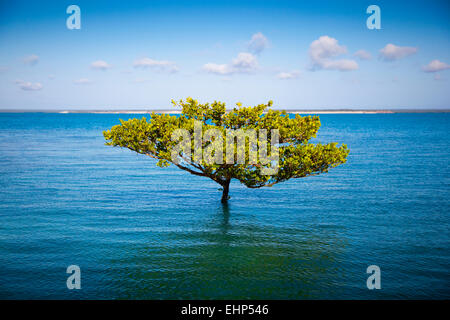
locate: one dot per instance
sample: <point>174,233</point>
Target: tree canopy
<point>166,138</point>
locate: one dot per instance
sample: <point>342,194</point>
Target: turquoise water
<point>139,231</point>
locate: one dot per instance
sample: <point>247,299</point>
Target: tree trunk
<point>226,189</point>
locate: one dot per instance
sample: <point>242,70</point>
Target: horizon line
<point>145,111</point>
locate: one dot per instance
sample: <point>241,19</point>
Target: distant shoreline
<point>292,111</point>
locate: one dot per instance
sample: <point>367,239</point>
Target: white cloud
<point>288,75</point>
<point>392,52</point>
<point>82,81</point>
<point>341,65</point>
<point>363,55</point>
<point>217,68</point>
<point>322,50</point>
<point>100,65</point>
<point>258,43</point>
<point>160,65</point>
<point>31,60</point>
<point>435,66</point>
<point>244,63</point>
<point>325,47</point>
<point>29,86</point>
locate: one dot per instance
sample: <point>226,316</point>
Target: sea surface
<point>138,231</point>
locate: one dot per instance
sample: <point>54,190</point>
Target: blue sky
<point>301,54</point>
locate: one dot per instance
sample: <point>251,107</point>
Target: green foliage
<point>297,157</point>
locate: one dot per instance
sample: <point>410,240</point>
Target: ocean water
<point>138,231</point>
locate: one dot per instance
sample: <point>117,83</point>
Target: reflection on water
<point>225,258</point>
<point>224,214</point>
